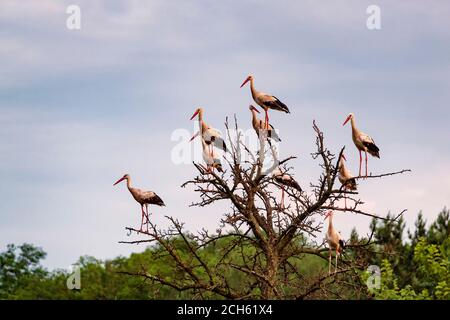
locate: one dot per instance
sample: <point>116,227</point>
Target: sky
<point>80,108</point>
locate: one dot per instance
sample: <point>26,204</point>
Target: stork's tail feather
<point>220,143</point>
<point>277,105</point>
<point>341,245</point>
<point>273,135</point>
<point>373,150</point>
<point>158,201</point>
<point>351,184</point>
<point>297,186</point>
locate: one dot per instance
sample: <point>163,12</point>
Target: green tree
<point>433,271</point>
<point>18,265</point>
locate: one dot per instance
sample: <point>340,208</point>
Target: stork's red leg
<point>345,199</point>
<point>329,261</point>
<point>360,162</point>
<point>366,162</point>
<point>335,267</point>
<point>147,215</point>
<point>267,119</point>
<point>142,216</point>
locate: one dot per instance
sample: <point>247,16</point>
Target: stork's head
<point>329,214</point>
<point>199,112</point>
<point>125,177</point>
<point>249,78</point>
<point>350,116</point>
<point>252,108</point>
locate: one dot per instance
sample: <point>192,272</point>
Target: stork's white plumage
<point>259,125</point>
<point>334,240</point>
<point>266,101</point>
<point>363,142</point>
<point>211,161</point>
<point>210,135</point>
<point>144,198</point>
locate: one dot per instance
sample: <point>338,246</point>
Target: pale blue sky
<point>78,109</point>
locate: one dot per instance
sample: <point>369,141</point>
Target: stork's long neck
<point>330,223</point>
<point>203,126</point>
<point>354,128</point>
<point>252,89</point>
<point>129,183</point>
<point>341,165</point>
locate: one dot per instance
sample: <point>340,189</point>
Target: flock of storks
<point>211,138</point>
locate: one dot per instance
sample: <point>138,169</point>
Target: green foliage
<point>433,272</point>
<point>18,266</point>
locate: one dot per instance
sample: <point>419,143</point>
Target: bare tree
<point>260,241</point>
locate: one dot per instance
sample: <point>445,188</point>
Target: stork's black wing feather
<point>276,105</point>
<point>372,148</point>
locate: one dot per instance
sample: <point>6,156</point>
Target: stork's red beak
<point>195,113</point>
<point>246,80</point>
<point>346,120</point>
<point>120,180</point>
<point>329,213</point>
<point>344,157</point>
<point>195,135</point>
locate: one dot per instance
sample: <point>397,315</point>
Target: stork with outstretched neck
<point>363,142</point>
<point>265,101</point>
<point>144,198</point>
<point>334,240</point>
<point>210,135</point>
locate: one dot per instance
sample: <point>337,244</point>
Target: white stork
<point>346,178</point>
<point>144,198</point>
<point>259,125</point>
<point>363,142</point>
<point>334,240</point>
<point>266,101</point>
<point>287,180</point>
<point>210,135</point>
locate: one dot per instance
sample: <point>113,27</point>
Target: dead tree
<point>265,241</point>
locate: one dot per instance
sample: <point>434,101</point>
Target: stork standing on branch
<point>266,101</point>
<point>209,135</point>
<point>363,142</point>
<point>334,240</point>
<point>287,180</point>
<point>346,178</point>
<point>259,125</point>
<point>144,198</point>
